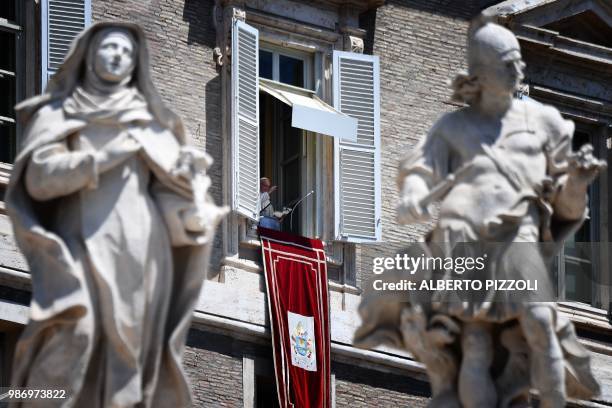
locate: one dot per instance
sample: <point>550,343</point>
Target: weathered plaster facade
<point>421,44</point>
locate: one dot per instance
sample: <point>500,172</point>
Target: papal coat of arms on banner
<point>302,339</point>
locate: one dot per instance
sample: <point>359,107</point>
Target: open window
<point>579,257</point>
<point>283,147</point>
<point>272,99</point>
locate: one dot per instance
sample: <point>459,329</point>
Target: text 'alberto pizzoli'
<point>439,285</point>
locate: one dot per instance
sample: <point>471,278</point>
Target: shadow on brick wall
<point>214,147</point>
<point>367,21</point>
<point>464,10</point>
<point>370,379</point>
<point>199,15</point>
<point>214,141</point>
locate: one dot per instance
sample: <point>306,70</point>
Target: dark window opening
<point>578,258</point>
<point>7,10</point>
<point>3,361</point>
<point>291,70</point>
<point>7,57</point>
<point>281,145</point>
<point>265,64</point>
<point>11,81</point>
<point>334,273</point>
<point>282,68</point>
<point>265,392</point>
<point>280,158</point>
<point>9,334</point>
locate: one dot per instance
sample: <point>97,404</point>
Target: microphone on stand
<point>295,206</point>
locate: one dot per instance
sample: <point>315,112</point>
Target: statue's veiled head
<point>112,56</point>
<point>495,64</point>
<point>494,58</point>
<point>107,55</point>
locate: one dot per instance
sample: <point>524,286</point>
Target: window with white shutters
<point>357,164</point>
<point>12,59</point>
<point>62,21</point>
<point>245,120</point>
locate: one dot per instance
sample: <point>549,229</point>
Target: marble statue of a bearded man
<point>506,178</point>
<point>105,207</point>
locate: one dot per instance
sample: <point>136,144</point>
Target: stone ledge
<point>379,360</point>
<point>15,279</point>
<point>586,316</point>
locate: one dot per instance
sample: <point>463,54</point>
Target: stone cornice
<point>581,314</point>
<point>573,48</point>
<point>576,106</point>
<point>266,20</point>
<point>359,5</point>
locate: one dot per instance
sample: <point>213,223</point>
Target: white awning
<point>310,112</point>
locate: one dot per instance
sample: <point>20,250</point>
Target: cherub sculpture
<point>109,205</point>
<point>508,182</point>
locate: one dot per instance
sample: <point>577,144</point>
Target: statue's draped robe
<point>115,276</point>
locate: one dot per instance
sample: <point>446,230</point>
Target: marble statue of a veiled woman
<point>109,206</point>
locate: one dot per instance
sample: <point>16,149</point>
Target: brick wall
<point>421,44</point>
<point>214,365</point>
<point>214,368</point>
<point>358,387</point>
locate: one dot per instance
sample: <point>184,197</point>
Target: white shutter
<point>62,21</point>
<point>357,164</point>
<point>245,120</point>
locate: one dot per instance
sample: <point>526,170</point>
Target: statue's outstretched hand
<point>583,166</point>
<point>116,152</point>
<point>196,158</point>
<point>410,210</point>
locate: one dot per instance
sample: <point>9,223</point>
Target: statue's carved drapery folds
<point>510,187</point>
<point>109,206</point>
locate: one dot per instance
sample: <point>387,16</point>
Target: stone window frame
<point>301,37</point>
<point>598,194</point>
<point>17,29</point>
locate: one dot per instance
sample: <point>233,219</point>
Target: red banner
<point>298,300</point>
